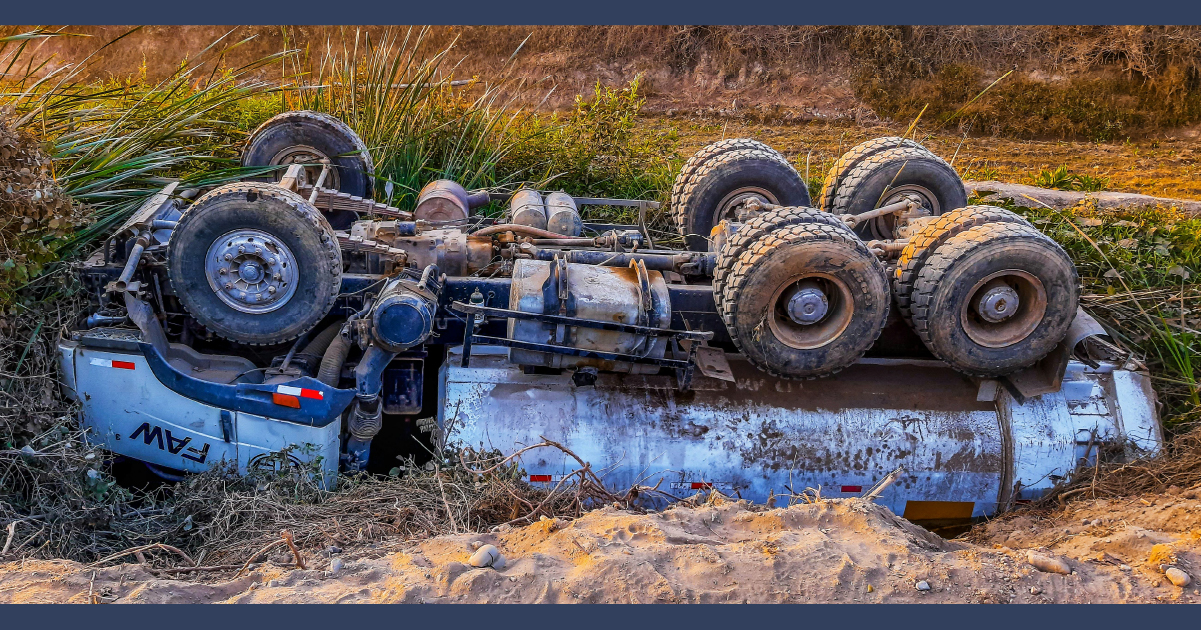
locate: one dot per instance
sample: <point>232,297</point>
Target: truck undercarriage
<point>887,334</point>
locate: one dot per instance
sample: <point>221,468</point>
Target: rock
<point>1084,521</point>
<point>333,550</point>
<point>1097,522</point>
<point>1124,567</point>
<point>922,586</point>
<point>1048,564</point>
<point>1173,490</point>
<point>1178,577</point>
<point>335,565</point>
<point>1034,590</point>
<point>476,544</point>
<point>487,556</point>
<point>272,583</point>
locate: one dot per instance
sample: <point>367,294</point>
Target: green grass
<point>1062,179</point>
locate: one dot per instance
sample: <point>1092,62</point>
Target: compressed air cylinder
<point>562,215</point>
<point>527,208</point>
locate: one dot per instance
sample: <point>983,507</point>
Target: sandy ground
<point>832,551</point>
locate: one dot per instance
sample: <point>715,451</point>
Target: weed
<point>1062,179</point>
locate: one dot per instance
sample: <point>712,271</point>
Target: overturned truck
<point>888,331</point>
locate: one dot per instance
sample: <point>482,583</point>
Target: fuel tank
<point>968,447</point>
<point>625,295</point>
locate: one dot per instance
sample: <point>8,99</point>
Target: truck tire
<point>893,175</point>
<point>305,137</point>
<point>255,263</point>
<point>995,298</point>
<point>695,162</point>
<point>752,231</point>
<point>814,271</point>
<point>852,158</point>
<point>933,235</point>
<point>722,184</point>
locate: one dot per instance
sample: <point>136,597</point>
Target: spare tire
<point>895,175</point>
<point>307,137</point>
<point>995,299</point>
<point>806,300</point>
<point>726,182</point>
<point>255,263</point>
<point>852,158</point>
<point>930,237</point>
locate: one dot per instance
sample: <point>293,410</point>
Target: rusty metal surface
<point>760,436</point>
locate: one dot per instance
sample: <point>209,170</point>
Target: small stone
<point>1097,522</point>
<point>1084,521</point>
<point>512,578</point>
<point>1034,590</point>
<point>333,550</point>
<point>1048,564</point>
<point>922,586</point>
<point>335,565</point>
<point>1178,577</point>
<point>476,544</point>
<point>272,583</point>
<point>1124,567</point>
<point>1173,490</point>
<point>487,556</point>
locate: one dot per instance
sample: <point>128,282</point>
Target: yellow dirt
<point>832,551</point>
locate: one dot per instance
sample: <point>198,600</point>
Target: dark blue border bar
<point>604,12</point>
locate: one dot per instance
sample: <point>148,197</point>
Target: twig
<point>91,584</point>
<point>258,553</point>
<point>287,536</point>
<point>136,550</point>
<point>450,513</point>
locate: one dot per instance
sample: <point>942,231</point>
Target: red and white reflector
<point>109,363</point>
<point>288,396</point>
<point>852,488</point>
<point>545,478</point>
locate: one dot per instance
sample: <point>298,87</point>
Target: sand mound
<point>832,551</point>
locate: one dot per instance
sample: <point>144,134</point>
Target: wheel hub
<point>885,227</point>
<point>311,158</point>
<point>1004,308</point>
<point>808,305</point>
<point>733,203</point>
<point>998,303</point>
<point>251,271</point>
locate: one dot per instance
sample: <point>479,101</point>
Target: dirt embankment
<point>832,551</point>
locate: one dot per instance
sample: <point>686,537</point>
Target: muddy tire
<point>995,298</point>
<point>722,184</point>
<point>778,281</point>
<point>852,158</point>
<point>255,263</point>
<point>893,175</point>
<point>305,137</point>
<point>754,229</point>
<point>698,159</point>
<point>931,237</point>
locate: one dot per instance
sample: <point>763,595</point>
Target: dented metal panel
<point>960,440</point>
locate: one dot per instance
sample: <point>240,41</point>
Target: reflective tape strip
<point>701,485</point>
<point>852,488</point>
<point>545,478</point>
<point>120,365</point>
<point>302,392</point>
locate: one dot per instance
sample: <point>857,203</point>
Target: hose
<point>331,362</point>
<point>320,343</point>
<point>516,227</point>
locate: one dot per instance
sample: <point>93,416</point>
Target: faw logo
<point>172,445</point>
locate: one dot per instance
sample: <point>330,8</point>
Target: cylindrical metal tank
<point>968,447</point>
<point>441,200</point>
<point>527,208</point>
<point>611,294</point>
<point>562,215</point>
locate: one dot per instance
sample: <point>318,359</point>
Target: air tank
<point>526,207</point>
<point>562,215</point>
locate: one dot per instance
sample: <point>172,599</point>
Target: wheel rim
<point>311,158</point>
<point>1003,308</point>
<point>882,227</point>
<point>810,310</point>
<point>251,271</point>
<point>728,208</point>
